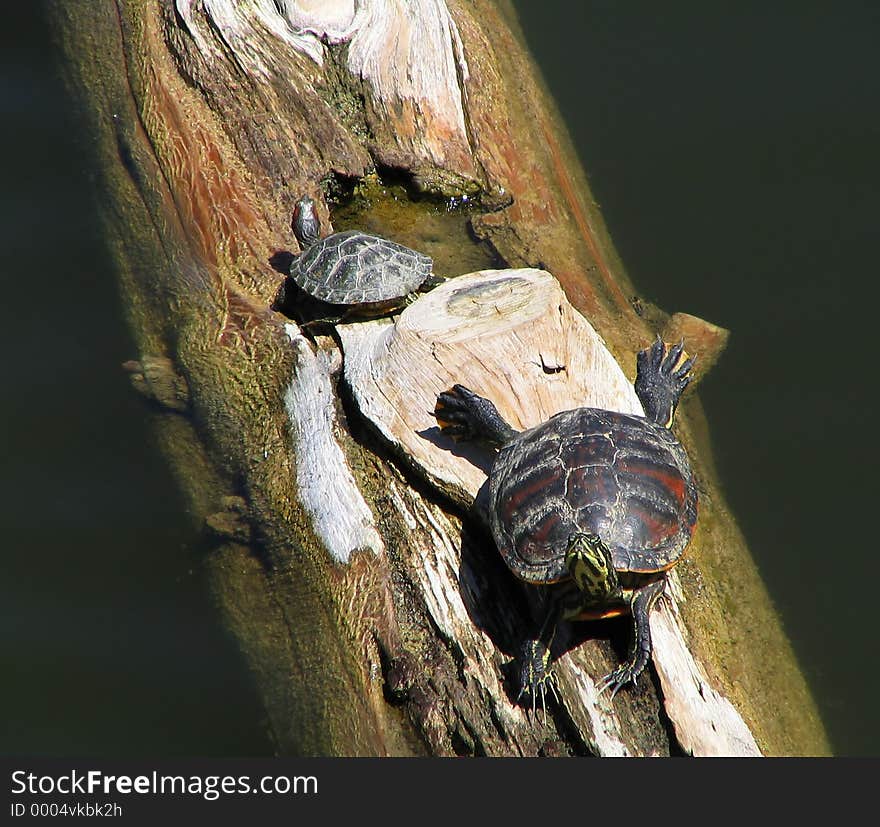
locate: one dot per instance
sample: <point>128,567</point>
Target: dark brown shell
<point>619,476</point>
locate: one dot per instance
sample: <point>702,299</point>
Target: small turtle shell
<point>357,268</point>
<point>619,476</point>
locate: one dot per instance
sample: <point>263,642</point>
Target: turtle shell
<point>356,268</point>
<point>619,476</point>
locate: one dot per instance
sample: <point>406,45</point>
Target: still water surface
<point>734,152</point>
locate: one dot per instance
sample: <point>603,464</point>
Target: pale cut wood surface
<point>511,335</point>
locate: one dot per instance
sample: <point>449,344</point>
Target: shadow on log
<point>376,625</point>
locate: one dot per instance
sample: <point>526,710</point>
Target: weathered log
<point>512,336</point>
<point>333,558</point>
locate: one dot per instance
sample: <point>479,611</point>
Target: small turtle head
<point>305,222</point>
<point>589,562</point>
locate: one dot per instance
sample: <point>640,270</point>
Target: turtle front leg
<point>463,414</point>
<point>641,603</point>
<point>535,675</point>
<point>433,280</point>
<point>661,377</point>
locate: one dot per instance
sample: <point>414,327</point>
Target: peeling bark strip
<point>706,723</point>
<point>374,625</point>
<point>328,490</point>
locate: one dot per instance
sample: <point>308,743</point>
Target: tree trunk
<point>372,606</point>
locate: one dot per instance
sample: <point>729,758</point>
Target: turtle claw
<point>535,678</point>
<point>652,357</point>
<point>617,679</point>
<point>675,370</point>
<point>683,374</point>
<point>672,357</point>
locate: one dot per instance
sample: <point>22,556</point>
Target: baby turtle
<point>602,502</point>
<point>359,273</point>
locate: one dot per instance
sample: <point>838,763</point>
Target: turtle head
<point>589,563</point>
<point>306,226</point>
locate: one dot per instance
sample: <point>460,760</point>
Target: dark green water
<point>109,644</point>
<point>735,150</point>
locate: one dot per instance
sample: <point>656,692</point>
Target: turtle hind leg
<point>641,603</point>
<point>661,376</point>
<point>464,415</point>
<point>535,675</point>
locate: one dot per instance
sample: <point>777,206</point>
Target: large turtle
<point>604,501</point>
<point>359,273</point>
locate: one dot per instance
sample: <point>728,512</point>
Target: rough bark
<point>332,555</point>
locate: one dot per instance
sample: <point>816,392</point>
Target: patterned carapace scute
<point>616,475</point>
<point>357,268</point>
